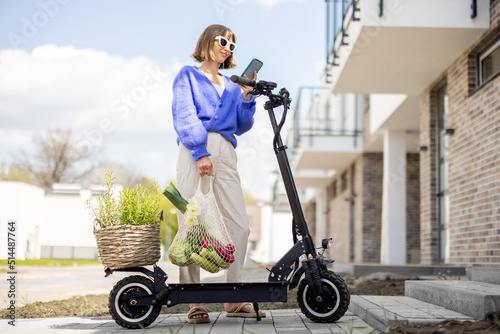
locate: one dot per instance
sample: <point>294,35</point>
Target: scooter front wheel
<point>127,315</point>
<point>331,305</point>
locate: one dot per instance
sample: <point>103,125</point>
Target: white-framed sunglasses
<point>223,42</point>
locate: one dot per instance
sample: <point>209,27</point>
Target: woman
<point>208,111</point>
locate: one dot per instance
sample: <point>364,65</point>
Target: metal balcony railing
<point>313,118</point>
<point>336,15</point>
<point>473,8</point>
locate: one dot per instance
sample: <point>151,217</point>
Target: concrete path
<point>44,284</point>
<point>277,321</point>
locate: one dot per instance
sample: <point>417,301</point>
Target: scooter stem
<point>286,173</point>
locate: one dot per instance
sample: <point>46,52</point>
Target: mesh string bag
<point>202,237</point>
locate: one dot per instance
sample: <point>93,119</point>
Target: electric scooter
<point>136,301</point>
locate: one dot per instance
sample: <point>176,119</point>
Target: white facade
<point>58,224</point>
<point>59,218</point>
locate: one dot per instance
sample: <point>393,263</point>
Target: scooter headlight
<point>327,243</point>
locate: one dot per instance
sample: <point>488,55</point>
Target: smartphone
<point>254,65</point>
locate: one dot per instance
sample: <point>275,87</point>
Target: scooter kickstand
<point>256,309</point>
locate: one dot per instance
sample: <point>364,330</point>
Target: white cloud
<point>102,98</point>
<point>13,139</point>
<point>122,106</point>
<point>66,87</point>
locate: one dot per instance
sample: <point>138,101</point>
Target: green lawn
<point>53,262</point>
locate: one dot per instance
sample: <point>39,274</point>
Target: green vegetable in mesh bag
<point>204,263</point>
<point>180,253</point>
<point>202,231</point>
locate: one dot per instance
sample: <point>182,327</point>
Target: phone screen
<point>254,65</point>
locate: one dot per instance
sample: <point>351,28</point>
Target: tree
<point>125,175</point>
<point>55,159</point>
<point>11,174</point>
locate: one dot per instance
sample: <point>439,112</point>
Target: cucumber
<point>224,264</point>
<point>204,263</point>
<point>215,258</point>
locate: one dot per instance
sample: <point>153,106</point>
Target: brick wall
<point>474,165</point>
<point>368,178</point>
<point>474,161</point>
<point>338,224</point>
<point>413,208</point>
<point>359,203</point>
<point>428,190</point>
<point>494,13</point>
<point>373,165</point>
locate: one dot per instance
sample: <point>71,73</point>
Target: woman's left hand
<point>248,89</point>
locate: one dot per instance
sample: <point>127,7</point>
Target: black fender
<point>297,274</point>
<point>294,281</point>
<point>143,270</point>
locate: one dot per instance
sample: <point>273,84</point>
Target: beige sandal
<point>197,311</point>
<point>242,314</point>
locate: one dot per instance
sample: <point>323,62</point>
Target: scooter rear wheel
<point>129,316</point>
<point>329,306</point>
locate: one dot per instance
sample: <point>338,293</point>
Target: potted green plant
<point>127,225</point>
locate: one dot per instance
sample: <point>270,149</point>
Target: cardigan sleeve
<point>192,134</point>
<point>246,110</point>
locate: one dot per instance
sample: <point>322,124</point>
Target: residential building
<point>400,147</point>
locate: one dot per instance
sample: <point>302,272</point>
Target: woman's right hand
<point>248,89</point>
<point>205,166</point>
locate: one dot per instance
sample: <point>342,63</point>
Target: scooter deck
<point>221,293</point>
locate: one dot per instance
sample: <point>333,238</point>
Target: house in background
<point>49,224</point>
<point>56,223</point>
<point>398,150</point>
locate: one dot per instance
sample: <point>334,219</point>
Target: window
<point>443,175</point>
<point>489,63</point>
<point>343,181</point>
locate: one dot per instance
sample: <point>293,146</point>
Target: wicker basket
<point>126,246</point>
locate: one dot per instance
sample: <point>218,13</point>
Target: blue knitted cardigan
<point>198,109</point>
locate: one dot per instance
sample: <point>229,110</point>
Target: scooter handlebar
<point>242,81</point>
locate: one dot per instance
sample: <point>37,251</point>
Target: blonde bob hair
<point>204,46</point>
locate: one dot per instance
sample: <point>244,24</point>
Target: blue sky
<point>105,70</point>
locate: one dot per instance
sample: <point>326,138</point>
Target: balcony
<point>326,135</point>
<point>398,47</point>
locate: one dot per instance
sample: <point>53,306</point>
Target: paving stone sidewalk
<point>277,321</point>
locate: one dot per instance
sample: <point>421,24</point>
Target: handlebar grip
<point>242,81</point>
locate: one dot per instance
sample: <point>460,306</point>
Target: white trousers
<point>229,196</point>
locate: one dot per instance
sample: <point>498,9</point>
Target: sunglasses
<point>223,42</point>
